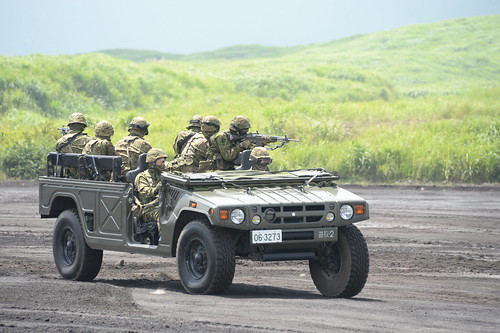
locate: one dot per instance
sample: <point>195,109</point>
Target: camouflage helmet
<point>154,154</point>
<point>260,157</point>
<point>259,152</point>
<point>210,121</point>
<point>77,118</point>
<point>239,124</point>
<point>195,121</point>
<point>138,123</point>
<point>104,128</point>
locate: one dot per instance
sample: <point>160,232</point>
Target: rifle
<point>63,130</point>
<point>258,139</point>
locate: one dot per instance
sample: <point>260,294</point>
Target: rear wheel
<point>341,269</point>
<point>205,259</point>
<point>74,259</point>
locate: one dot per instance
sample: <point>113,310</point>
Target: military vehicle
<point>207,220</point>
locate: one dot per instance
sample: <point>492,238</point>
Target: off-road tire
<point>342,268</point>
<point>205,258</point>
<point>74,259</point>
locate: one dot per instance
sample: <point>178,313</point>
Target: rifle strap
<point>183,142</point>
<point>70,139</point>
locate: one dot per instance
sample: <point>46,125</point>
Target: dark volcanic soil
<point>434,266</point>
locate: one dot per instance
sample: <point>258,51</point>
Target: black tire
<point>205,259</point>
<point>74,259</point>
<point>341,269</point>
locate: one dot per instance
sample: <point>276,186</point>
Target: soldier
<point>260,159</point>
<point>184,136</point>
<point>131,146</point>
<point>195,153</point>
<point>224,148</point>
<point>101,143</point>
<point>75,140</point>
<point>148,184</point>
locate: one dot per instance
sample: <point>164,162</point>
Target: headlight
<point>237,216</point>
<point>330,216</point>
<point>256,219</point>
<point>346,212</point>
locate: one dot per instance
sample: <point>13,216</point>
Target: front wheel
<point>341,269</point>
<point>205,259</point>
<point>74,259</point>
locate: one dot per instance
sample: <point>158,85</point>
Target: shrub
<point>24,160</point>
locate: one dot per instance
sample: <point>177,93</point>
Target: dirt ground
<point>434,267</point>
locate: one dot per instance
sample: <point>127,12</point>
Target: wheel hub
<point>197,260</point>
<point>69,247</point>
<point>331,262</point>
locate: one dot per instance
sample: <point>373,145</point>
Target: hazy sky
<point>187,26</point>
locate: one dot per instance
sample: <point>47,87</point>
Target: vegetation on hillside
<point>402,105</point>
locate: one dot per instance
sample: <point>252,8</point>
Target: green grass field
<point>414,104</point>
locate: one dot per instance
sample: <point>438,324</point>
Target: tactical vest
<point>181,141</point>
<point>128,151</point>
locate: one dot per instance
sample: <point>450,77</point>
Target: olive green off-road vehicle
<point>206,221</point>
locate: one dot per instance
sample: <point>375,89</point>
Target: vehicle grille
<point>172,196</point>
<point>293,214</point>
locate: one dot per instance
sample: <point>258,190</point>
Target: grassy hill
<point>444,57</point>
<point>229,53</point>
<point>419,103</point>
<point>141,55</point>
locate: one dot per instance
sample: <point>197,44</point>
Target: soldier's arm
<point>227,150</point>
<point>145,146</point>
<point>147,192</point>
<point>175,146</point>
<point>111,149</point>
<point>60,148</point>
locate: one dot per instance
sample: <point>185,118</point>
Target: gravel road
<point>434,267</point>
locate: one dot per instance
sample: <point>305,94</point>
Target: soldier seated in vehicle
<point>134,144</point>
<point>260,159</point>
<point>147,185</point>
<point>184,136</point>
<point>74,140</point>
<point>101,145</point>
<point>194,156</point>
<point>223,149</point>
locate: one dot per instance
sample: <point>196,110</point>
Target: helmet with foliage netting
<point>139,123</point>
<point>104,128</point>
<point>77,118</point>
<point>260,159</point>
<point>195,121</point>
<point>210,121</point>
<point>259,152</point>
<point>154,154</point>
<point>240,124</point>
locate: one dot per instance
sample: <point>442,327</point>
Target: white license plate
<point>266,236</point>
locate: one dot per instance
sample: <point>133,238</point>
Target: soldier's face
<point>160,161</point>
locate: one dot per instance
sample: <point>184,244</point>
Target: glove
<point>157,188</point>
<point>246,144</point>
<point>266,139</point>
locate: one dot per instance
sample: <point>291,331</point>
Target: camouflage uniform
<point>75,140</point>
<point>101,145</point>
<point>148,183</point>
<point>195,152</point>
<point>260,159</point>
<point>184,136</point>
<point>131,146</point>
<point>223,150</point>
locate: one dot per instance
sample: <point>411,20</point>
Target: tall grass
<point>372,116</point>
